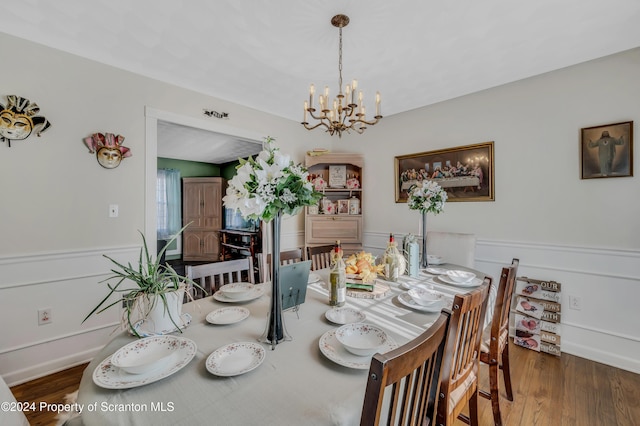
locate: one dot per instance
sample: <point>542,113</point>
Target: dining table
<point>310,379</point>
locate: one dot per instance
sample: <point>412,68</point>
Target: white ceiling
<point>188,143</point>
<point>264,54</point>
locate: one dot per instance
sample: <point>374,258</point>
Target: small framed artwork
<point>337,176</point>
<point>606,151</point>
<point>343,206</point>
<point>465,172</point>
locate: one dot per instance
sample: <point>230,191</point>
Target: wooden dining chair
<point>453,247</point>
<point>495,341</point>
<point>320,256</point>
<point>286,257</point>
<point>459,377</point>
<point>409,375</point>
<point>211,276</point>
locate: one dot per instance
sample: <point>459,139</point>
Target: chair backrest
<point>459,378</point>
<point>320,256</point>
<point>286,257</point>
<point>453,247</point>
<point>410,376</point>
<point>211,276</point>
<point>500,316</point>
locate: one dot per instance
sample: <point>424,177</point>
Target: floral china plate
<point>435,271</point>
<point>230,315</point>
<point>108,376</point>
<point>143,327</point>
<point>407,301</point>
<point>471,283</point>
<point>235,358</point>
<point>333,349</point>
<point>313,278</point>
<point>344,315</point>
<point>256,292</point>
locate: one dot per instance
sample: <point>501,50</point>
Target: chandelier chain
<point>340,62</point>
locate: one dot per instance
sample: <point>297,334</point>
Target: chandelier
<point>347,111</point>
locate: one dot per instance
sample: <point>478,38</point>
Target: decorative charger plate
<point>471,283</point>
<point>407,301</point>
<point>344,315</point>
<point>230,315</point>
<point>108,376</point>
<point>256,292</point>
<point>235,358</point>
<point>333,349</point>
<point>142,327</point>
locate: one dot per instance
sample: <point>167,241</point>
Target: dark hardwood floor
<point>548,391</point>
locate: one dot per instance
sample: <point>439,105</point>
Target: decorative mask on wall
<point>18,119</point>
<point>108,149</point>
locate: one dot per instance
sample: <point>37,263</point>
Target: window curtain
<point>169,203</point>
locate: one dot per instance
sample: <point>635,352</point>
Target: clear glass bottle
<point>392,260</point>
<point>338,279</point>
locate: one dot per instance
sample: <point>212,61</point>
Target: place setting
<point>239,292</point>
<point>460,278</point>
<point>422,298</point>
<point>344,315</point>
<point>144,361</point>
<point>352,345</point>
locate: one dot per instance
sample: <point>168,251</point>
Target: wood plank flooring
<point>548,391</point>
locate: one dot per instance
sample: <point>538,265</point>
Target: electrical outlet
<point>575,302</point>
<point>44,316</point>
<point>113,210</point>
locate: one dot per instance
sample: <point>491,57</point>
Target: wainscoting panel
<point>69,285</point>
<point>607,281</point>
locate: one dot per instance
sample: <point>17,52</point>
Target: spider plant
<point>153,281</point>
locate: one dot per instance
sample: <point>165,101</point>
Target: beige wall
<point>54,225</point>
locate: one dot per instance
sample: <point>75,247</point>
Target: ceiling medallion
<point>347,111</point>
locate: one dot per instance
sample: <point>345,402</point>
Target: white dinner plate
<point>344,315</point>
<point>407,301</point>
<point>108,376</point>
<point>435,271</point>
<point>313,278</point>
<point>257,291</point>
<point>473,283</point>
<point>229,315</point>
<point>332,349</point>
<point>142,329</point>
<point>235,358</point>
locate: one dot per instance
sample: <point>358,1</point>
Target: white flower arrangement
<point>427,197</point>
<point>270,184</point>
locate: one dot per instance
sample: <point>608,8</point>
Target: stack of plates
<point>360,338</point>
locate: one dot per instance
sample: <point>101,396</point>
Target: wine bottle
<point>338,279</point>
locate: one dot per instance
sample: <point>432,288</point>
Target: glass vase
<point>275,331</point>
<point>424,263</point>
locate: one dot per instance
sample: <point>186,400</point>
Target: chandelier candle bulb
<point>312,90</point>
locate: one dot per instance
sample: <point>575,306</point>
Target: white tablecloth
<point>296,384</point>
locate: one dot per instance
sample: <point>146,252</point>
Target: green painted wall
<point>190,168</point>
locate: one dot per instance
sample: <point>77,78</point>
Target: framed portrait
<point>343,206</point>
<point>606,151</point>
<point>465,172</point>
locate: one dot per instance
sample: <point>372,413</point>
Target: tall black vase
<point>275,331</point>
<point>424,262</point>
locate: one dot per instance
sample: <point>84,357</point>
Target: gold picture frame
<point>465,172</point>
<point>606,151</point>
